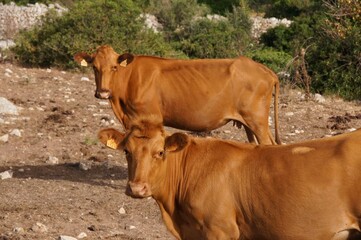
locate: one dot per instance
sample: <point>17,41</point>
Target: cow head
<point>146,146</point>
<point>106,62</point>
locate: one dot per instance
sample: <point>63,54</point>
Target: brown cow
<point>215,189</point>
<point>195,95</point>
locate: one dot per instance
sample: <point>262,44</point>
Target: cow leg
<point>250,135</point>
<point>262,134</point>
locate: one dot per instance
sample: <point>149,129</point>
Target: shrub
<point>217,38</point>
<point>331,36</point>
<point>176,14</point>
<point>274,59</point>
<point>221,7</point>
<point>334,60</point>
<point>87,25</point>
<point>290,8</point>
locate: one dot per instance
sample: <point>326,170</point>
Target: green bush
<point>217,38</point>
<point>176,14</point>
<point>335,63</point>
<point>299,34</point>
<point>332,47</point>
<point>87,25</point>
<point>274,59</point>
<point>290,8</point>
<point>221,7</point>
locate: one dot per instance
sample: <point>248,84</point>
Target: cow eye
<point>160,154</point>
<point>126,152</point>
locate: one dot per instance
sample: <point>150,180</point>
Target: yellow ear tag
<point>112,144</point>
<point>123,63</point>
<point>83,63</point>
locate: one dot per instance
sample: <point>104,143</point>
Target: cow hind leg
<point>250,136</point>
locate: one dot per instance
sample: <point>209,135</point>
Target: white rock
<point>7,107</point>
<point>15,132</point>
<point>121,211</point>
<point>84,166</point>
<point>8,70</point>
<point>6,175</point>
<point>52,160</point>
<point>39,227</point>
<point>82,235</point>
<point>227,131</point>
<point>64,237</point>
<point>4,138</point>
<point>103,103</point>
<point>319,98</point>
<point>289,114</point>
<point>85,79</point>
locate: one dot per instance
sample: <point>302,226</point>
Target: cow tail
<point>276,96</point>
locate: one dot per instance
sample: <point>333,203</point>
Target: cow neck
<point>169,190</point>
<point>121,83</point>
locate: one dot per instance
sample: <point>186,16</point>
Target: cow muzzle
<point>103,94</point>
<point>138,189</point>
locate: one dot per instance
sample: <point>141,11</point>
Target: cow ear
<point>83,59</point>
<point>176,142</point>
<point>125,59</point>
<point>111,138</point>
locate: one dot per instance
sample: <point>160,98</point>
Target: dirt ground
<point>66,183</point>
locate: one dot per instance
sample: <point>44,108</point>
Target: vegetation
<point>326,33</point>
<point>330,37</point>
<point>84,27</point>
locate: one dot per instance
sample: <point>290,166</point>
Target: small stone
<point>8,70</point>
<point>121,211</point>
<point>6,175</point>
<point>289,114</point>
<point>52,160</point>
<point>131,227</point>
<point>64,237</point>
<point>4,138</point>
<point>39,227</point>
<point>18,230</point>
<point>7,107</point>
<point>82,235</point>
<point>227,131</point>
<point>319,98</point>
<point>16,132</point>
<point>84,79</point>
<point>84,166</point>
<point>103,103</point>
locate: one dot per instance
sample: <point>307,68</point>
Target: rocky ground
<point>58,180</point>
